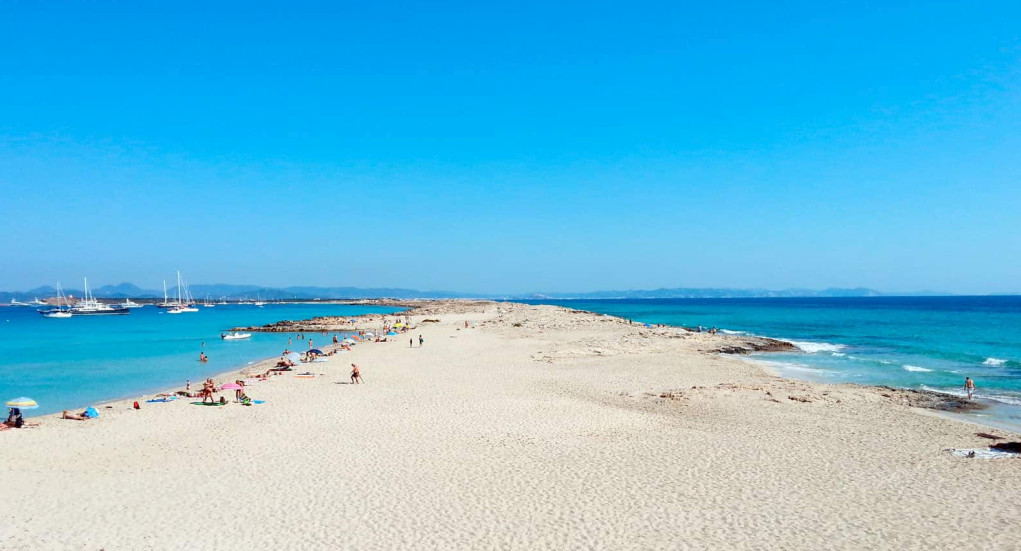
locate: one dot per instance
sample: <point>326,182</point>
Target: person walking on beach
<point>411,343</point>
<point>420,341</point>
<point>356,375</point>
<point>969,386</point>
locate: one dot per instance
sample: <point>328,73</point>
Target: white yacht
<point>63,310</point>
<point>128,303</point>
<point>90,306</point>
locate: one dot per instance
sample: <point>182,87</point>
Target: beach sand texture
<point>537,428</point>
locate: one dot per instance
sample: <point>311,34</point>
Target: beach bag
<point>136,406</point>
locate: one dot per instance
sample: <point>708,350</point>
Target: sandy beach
<point>534,428</point>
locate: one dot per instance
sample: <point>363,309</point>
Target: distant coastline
<point>230,292</point>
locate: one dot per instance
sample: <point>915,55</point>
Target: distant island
<point>222,291</point>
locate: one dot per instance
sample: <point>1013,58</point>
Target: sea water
<point>77,362</point>
<point>906,342</point>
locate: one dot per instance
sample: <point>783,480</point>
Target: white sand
<point>551,435</point>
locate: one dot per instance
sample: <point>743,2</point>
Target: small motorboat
<point>235,336</point>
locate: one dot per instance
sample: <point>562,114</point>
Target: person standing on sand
<point>411,343</point>
<point>969,385</point>
<point>356,375</point>
<point>420,341</point>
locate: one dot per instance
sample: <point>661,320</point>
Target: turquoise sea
<point>910,342</point>
<point>78,362</point>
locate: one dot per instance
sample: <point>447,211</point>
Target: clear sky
<point>513,147</point>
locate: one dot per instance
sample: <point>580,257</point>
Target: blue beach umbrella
<point>91,412</point>
<point>316,351</point>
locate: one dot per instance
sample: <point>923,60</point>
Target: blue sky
<point>513,147</point>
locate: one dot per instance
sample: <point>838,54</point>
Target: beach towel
<point>983,453</point>
<point>207,404</point>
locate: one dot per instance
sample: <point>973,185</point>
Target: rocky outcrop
<point>749,345</point>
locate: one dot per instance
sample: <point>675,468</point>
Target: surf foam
<point>916,369</point>
<point>995,362</point>
<point>813,347</point>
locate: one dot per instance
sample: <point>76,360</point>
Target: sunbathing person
<point>75,417</point>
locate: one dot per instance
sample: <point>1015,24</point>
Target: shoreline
<point>514,426</point>
<point>230,373</point>
<point>744,345</point>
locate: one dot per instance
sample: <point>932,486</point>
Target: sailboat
<point>186,301</point>
<point>62,310</point>
<point>90,306</point>
<point>182,304</point>
<point>166,302</point>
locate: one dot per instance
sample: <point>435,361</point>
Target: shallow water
<point>77,362</point>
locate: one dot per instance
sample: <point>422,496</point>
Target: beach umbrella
<point>294,357</point>
<point>91,412</point>
<point>22,403</point>
<point>398,325</point>
<point>370,334</point>
<point>391,333</point>
<point>231,386</point>
<point>316,351</point>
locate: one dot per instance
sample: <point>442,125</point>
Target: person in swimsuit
<point>969,386</point>
<point>356,375</point>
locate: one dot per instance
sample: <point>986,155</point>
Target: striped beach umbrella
<point>22,403</point>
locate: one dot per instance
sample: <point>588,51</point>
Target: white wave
<point>729,332</point>
<point>813,347</point>
<point>995,362</point>
<point>838,354</point>
<point>1012,400</point>
<point>787,366</point>
<point>916,369</point>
